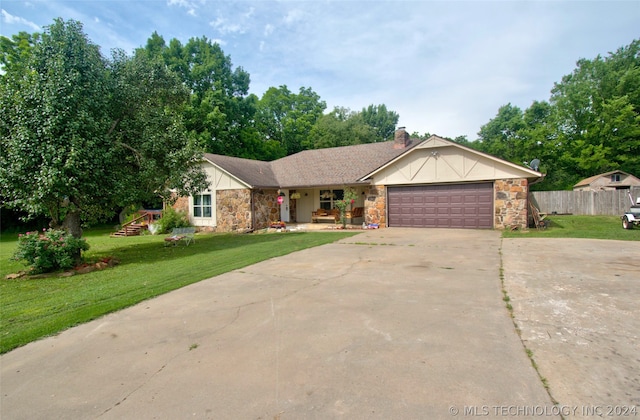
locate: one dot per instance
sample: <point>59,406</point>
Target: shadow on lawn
<point>156,251</point>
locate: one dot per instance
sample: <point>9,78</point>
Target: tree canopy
<point>82,135</point>
<point>343,127</point>
<point>223,118</point>
<point>381,120</point>
<point>219,112</point>
<point>598,110</point>
<point>286,118</point>
<point>590,125</point>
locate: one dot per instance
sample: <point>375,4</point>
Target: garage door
<point>442,206</point>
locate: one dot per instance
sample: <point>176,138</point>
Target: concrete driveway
<point>392,323</point>
<point>577,302</point>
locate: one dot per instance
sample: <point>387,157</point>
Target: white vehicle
<point>632,217</point>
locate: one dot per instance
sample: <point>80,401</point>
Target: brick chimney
<point>401,138</point>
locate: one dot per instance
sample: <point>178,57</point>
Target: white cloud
<point>16,20</point>
<point>191,6</point>
<point>224,27</point>
<point>268,29</point>
<point>180,3</point>
<point>293,16</point>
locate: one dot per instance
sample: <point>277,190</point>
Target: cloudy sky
<point>444,66</point>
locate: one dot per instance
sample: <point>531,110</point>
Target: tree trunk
<point>71,224</point>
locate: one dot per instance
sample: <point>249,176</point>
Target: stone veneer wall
<point>181,204</point>
<point>233,210</point>
<point>375,205</point>
<point>511,203</point>
<point>266,208</point>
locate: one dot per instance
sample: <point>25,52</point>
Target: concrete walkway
<point>392,323</point>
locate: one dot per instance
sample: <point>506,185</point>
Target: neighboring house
<point>614,180</point>
<point>402,183</point>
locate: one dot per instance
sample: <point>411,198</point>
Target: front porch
<point>318,205</point>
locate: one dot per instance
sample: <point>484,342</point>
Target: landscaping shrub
<point>348,199</point>
<point>50,250</point>
<point>172,219</point>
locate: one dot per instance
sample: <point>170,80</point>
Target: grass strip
<point>582,227</point>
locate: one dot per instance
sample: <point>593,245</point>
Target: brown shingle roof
<point>312,168</point>
<point>335,165</point>
<point>256,173</point>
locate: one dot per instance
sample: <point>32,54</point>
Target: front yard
<point>34,308</point>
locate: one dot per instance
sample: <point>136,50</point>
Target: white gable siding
<point>221,180</point>
<point>443,164</point>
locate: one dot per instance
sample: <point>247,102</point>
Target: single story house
<point>614,180</point>
<point>401,183</point>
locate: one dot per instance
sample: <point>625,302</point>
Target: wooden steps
<point>137,225</point>
<point>133,229</point>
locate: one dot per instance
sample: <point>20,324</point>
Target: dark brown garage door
<point>442,206</point>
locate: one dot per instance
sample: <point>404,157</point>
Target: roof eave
<point>324,185</point>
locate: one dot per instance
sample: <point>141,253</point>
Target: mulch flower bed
<point>83,268</point>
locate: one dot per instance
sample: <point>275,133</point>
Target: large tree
<point>598,111</point>
<point>344,127</point>
<point>521,137</point>
<point>340,127</point>
<point>286,118</point>
<point>82,136</point>
<point>501,135</point>
<point>219,114</point>
<point>381,120</point>
<point>590,125</point>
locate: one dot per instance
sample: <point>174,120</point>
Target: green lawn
<point>592,227</point>
<point>34,308</point>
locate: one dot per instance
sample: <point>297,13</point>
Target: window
<point>202,205</point>
<point>329,197</point>
<point>615,178</point>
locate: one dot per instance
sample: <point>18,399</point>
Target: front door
<point>284,207</point>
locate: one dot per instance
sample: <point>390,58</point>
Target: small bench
<point>181,234</point>
<point>325,215</point>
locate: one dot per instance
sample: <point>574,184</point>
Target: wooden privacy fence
<point>600,203</point>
